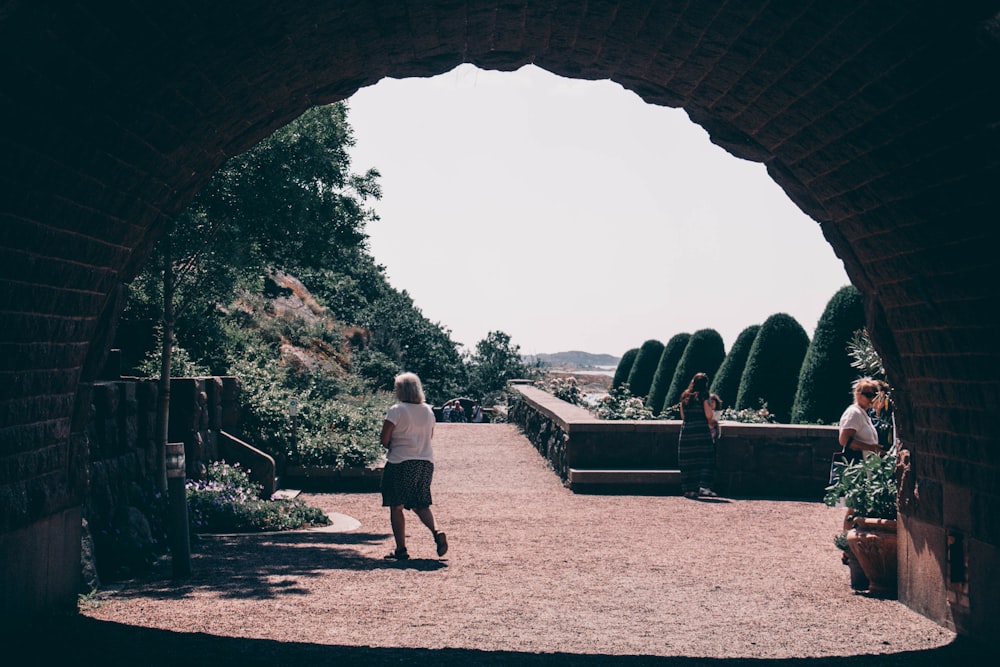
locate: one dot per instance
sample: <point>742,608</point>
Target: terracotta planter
<point>859,582</point>
<point>873,543</point>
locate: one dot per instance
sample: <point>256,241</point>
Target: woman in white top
<point>857,433</point>
<point>406,479</point>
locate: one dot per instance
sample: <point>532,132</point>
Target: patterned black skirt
<point>407,484</point>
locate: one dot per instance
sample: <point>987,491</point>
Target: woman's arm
<point>709,409</point>
<point>848,440</point>
<point>387,428</point>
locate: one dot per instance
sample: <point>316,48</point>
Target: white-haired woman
<point>406,481</point>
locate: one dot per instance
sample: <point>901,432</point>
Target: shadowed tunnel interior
<point>879,121</point>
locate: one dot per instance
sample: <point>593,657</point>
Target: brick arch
<point>878,122</point>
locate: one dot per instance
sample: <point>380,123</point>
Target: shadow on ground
<point>282,561</point>
<point>81,641</point>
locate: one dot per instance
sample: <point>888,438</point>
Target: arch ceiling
<point>878,120</point>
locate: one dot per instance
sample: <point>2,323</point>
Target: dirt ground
<point>536,574</point>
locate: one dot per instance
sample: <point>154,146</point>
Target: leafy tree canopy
<point>826,375</point>
<point>646,361</point>
<point>772,370</point>
<point>726,382</point>
<point>624,368</point>
<point>493,364</point>
<point>664,375</point>
<point>703,354</point>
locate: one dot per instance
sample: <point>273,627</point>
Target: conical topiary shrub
<point>703,354</point>
<point>772,371</point>
<point>644,367</point>
<point>726,382</point>
<point>672,353</point>
<point>624,368</point>
<point>826,375</point>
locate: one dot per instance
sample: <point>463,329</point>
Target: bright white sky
<point>574,216</point>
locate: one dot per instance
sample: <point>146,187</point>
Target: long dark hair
<point>697,390</point>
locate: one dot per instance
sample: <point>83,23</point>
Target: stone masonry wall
<point>123,438</point>
<point>877,119</point>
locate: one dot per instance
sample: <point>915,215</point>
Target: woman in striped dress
<point>695,448</point>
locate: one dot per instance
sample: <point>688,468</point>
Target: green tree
<point>624,368</point>
<point>293,196</point>
<point>827,373</point>
<point>402,333</point>
<point>672,353</point>
<point>772,370</point>
<point>646,361</point>
<point>291,202</point>
<point>703,354</point>
<point>727,379</point>
<point>495,361</point>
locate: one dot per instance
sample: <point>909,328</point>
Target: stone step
<point>611,476</point>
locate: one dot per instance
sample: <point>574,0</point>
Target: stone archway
<point>878,122</point>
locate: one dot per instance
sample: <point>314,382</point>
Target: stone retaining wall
<point>756,460</point>
<point>122,437</point>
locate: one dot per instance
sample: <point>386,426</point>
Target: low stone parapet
<point>752,460</point>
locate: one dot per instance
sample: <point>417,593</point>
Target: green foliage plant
<point>564,388</point>
<point>339,419</point>
<point>624,367</point>
<point>865,359</point>
<point>341,434</point>
<point>646,361</point>
<point>726,382</point>
<point>868,487</point>
<point>773,365</point>
<point>664,375</point>
<point>619,404</point>
<point>827,371</point>
<point>226,501</point>
<point>704,353</point>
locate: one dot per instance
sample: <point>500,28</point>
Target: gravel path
<point>535,575</point>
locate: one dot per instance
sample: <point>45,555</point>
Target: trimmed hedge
<point>772,371</point>
<point>703,354</point>
<point>624,368</point>
<point>664,375</point>
<point>727,379</point>
<point>644,367</point>
<point>825,378</point>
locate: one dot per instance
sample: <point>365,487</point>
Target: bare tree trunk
<point>163,416</point>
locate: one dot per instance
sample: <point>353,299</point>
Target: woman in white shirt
<point>857,433</point>
<point>409,469</point>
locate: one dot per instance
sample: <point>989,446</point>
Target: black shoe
<point>442,543</point>
<point>398,554</point>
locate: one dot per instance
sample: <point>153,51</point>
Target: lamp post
<point>180,541</point>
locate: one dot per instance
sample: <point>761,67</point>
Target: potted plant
<point>859,581</point>
<point>868,489</point>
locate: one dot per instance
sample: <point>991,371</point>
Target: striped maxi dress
<point>695,449</point>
